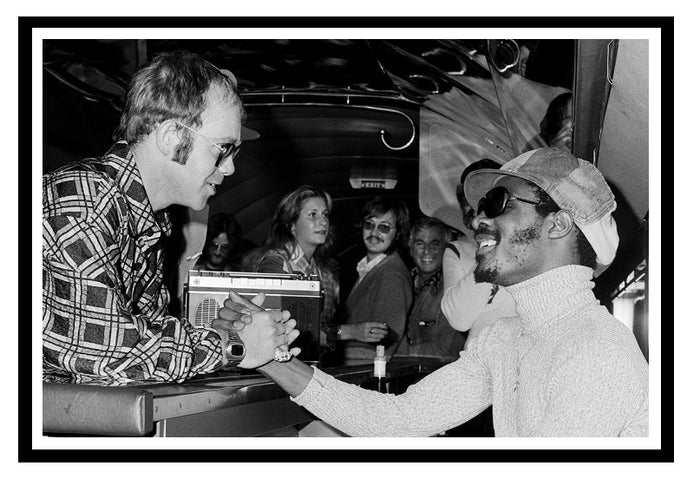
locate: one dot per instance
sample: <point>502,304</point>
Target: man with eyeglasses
<point>222,245</point>
<point>376,309</point>
<point>105,222</point>
<point>564,367</point>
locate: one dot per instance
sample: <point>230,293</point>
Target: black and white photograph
<point>356,239</point>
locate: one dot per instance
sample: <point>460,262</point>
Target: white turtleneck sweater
<point>565,367</point>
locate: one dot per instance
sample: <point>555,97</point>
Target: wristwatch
<point>232,347</point>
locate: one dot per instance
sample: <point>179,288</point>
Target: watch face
<point>236,349</point>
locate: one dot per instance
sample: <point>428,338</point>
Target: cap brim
<point>249,134</point>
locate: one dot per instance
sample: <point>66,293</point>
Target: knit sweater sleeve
<point>594,393</point>
<point>442,400</point>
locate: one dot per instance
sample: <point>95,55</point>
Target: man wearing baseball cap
<point>564,367</point>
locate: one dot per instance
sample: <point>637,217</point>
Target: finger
<point>276,315</point>
<point>235,318</point>
<point>282,340</point>
<point>293,335</point>
<point>236,307</point>
<point>258,299</point>
<point>229,315</point>
<point>289,325</point>
<point>286,315</point>
<point>233,296</point>
<point>295,351</point>
<point>220,324</point>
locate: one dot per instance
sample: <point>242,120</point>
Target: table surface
<point>89,408</point>
<point>221,390</point>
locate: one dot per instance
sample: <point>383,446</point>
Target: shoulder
<point>271,261</point>
<point>461,251</point>
<point>602,344</point>
<point>393,267</point>
<point>452,250</point>
<point>502,331</point>
<point>83,190</point>
<point>497,339</point>
<point>75,181</point>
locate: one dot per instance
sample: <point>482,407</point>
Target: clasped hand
<point>261,331</point>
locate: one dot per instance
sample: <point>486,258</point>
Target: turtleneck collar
<point>551,295</point>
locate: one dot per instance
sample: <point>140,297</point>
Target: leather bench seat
<point>97,410</point>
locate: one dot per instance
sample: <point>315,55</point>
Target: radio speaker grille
<point>206,312</point>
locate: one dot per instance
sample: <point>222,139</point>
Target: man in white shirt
<point>467,305</point>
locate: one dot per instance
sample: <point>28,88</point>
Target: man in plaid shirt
<point>105,222</point>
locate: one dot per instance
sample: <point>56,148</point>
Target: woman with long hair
<point>300,240</point>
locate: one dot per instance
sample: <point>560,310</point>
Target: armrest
<point>101,410</point>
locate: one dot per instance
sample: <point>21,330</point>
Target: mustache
<point>485,230</point>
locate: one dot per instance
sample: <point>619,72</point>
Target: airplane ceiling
<point>323,108</point>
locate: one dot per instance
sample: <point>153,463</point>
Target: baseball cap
<point>574,184</point>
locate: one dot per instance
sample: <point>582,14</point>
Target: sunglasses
<point>368,225</point>
<point>225,150</point>
<point>494,202</point>
<point>214,246</point>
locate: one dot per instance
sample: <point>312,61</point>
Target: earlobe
<point>562,224</point>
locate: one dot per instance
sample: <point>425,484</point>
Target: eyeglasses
<point>214,246</point>
<point>368,225</point>
<point>225,150</point>
<point>494,202</point>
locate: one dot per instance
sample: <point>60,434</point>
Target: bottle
<point>379,381</point>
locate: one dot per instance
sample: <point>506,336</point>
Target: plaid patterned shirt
<point>105,317</point>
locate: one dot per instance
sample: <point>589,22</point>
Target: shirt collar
<point>364,266</point>
<point>419,284</point>
<point>300,263</point>
<point>148,225</point>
